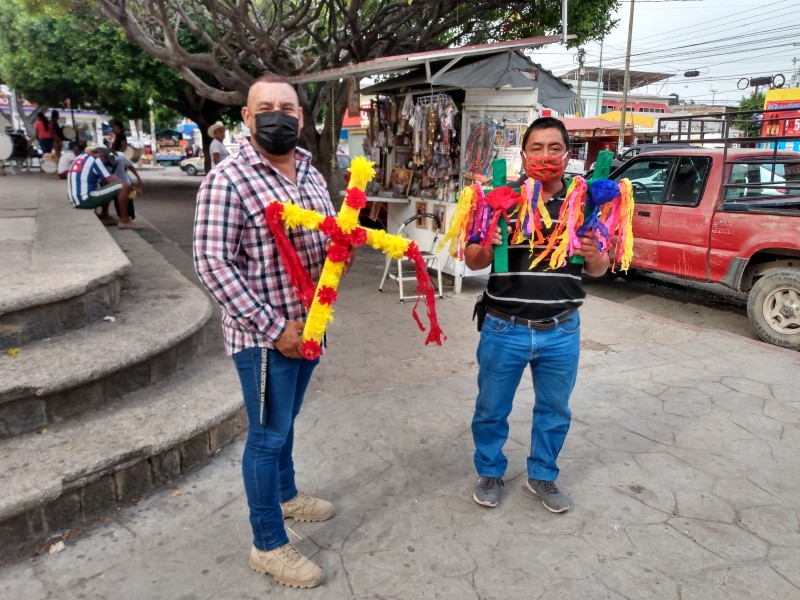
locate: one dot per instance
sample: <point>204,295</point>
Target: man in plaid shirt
<point>236,258</point>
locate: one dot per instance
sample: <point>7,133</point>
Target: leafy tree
<point>747,123</point>
<point>51,51</point>
<point>220,46</point>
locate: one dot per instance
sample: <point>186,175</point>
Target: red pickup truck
<point>724,215</point>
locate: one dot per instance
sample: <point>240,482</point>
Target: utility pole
<point>598,105</point>
<point>626,84</point>
<point>713,96</point>
<point>581,56</point>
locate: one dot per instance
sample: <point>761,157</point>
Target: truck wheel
<point>773,307</point>
<point>190,170</point>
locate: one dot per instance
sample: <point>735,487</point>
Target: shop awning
<point>589,127</point>
<point>402,62</point>
<point>614,79</point>
<point>500,69</point>
<point>631,118</point>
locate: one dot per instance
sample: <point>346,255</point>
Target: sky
<point>725,40</point>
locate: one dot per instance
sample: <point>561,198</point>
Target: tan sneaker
<point>287,566</point>
<point>307,508</point>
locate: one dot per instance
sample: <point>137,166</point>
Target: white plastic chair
<point>431,258</point>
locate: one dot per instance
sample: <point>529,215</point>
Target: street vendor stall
<point>429,142</point>
<point>170,147</point>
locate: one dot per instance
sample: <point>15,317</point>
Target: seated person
<point>91,185</point>
<point>121,168</point>
<point>65,160</point>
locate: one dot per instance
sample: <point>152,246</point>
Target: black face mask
<point>276,132</point>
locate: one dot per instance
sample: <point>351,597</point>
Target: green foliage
<point>49,54</point>
<point>746,123</point>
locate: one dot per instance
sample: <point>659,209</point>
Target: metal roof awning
<point>592,127</point>
<point>613,79</point>
<point>402,62</point>
<point>497,69</point>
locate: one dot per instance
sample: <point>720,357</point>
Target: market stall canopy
<point>403,62</point>
<point>500,69</point>
<point>636,119</point>
<point>614,79</point>
<point>588,127</point>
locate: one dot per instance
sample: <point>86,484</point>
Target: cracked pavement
<point>682,464</point>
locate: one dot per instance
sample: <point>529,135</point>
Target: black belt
<point>538,325</point>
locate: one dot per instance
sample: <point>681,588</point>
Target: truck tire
<point>773,308</point>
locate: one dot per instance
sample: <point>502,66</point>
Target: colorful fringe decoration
<point>345,234</point>
<point>604,206</point>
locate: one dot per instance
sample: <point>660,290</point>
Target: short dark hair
<point>546,123</point>
<point>270,77</point>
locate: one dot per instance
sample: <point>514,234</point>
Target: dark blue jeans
<point>267,466</point>
<point>504,352</point>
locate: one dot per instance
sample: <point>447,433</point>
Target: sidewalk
<point>683,463</point>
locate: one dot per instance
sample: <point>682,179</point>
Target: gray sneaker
<point>487,492</point>
<point>553,498</point>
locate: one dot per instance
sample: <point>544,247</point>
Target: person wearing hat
<point>217,149</point>
<point>91,185</point>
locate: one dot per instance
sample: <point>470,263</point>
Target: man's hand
<point>351,259</point>
<point>595,264</point>
<point>290,342</point>
<point>477,256</point>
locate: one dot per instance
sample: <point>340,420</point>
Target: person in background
<point>531,322</point>
<point>65,160</point>
<point>217,149</point>
<point>236,258</point>
<point>42,133</point>
<point>119,137</point>
<point>57,133</point>
<point>122,166</point>
<point>91,185</point>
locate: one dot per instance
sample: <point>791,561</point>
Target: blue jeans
<point>267,466</point>
<point>505,349</point>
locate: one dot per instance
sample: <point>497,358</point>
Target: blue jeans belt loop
<point>538,325</point>
<point>263,409</point>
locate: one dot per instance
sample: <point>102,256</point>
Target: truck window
<point>756,180</point>
<point>689,181</point>
<point>648,178</point>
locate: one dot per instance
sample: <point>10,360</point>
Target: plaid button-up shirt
<point>235,255</point>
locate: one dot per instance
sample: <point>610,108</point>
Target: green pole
<point>501,251</point>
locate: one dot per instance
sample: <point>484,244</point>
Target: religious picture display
<point>421,208</point>
<point>401,182</point>
<point>440,211</point>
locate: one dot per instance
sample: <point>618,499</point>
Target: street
<point>168,206</point>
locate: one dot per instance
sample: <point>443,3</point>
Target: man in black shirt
<point>531,320</point>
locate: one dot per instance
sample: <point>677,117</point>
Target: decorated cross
<point>345,234</point>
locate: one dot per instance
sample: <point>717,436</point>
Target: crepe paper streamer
<point>501,251</point>
<point>345,234</point>
<point>602,169</point>
<point>563,240</point>
<point>603,205</point>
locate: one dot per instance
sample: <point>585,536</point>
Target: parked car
<point>194,166</point>
<point>637,149</point>
<point>343,161</point>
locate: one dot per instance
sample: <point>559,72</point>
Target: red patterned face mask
<point>544,168</point>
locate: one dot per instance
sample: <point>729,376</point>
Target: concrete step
<point>158,328</point>
<point>61,270</point>
<point>84,468</point>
